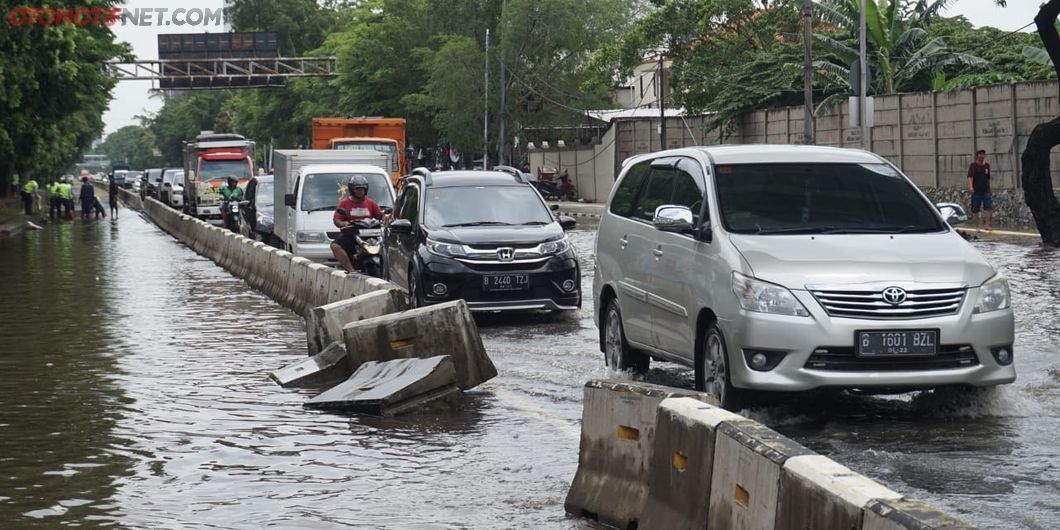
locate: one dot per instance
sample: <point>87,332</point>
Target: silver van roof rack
<point>425,173</point>
<point>515,172</point>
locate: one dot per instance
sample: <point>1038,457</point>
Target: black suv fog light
<point>439,289</point>
<point>569,285</point>
<point>762,360</point>
<point>1002,354</point>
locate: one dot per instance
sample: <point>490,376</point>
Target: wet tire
<point>712,371</point>
<point>618,354</point>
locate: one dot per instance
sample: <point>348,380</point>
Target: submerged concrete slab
<point>443,329</point>
<point>392,387</point>
<point>322,369</point>
<point>324,324</point>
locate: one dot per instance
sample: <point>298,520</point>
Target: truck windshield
<point>222,169</point>
<point>382,147</point>
<point>323,191</point>
<point>820,199</point>
<point>484,205</point>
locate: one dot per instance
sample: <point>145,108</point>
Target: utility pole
<point>807,74</point>
<point>863,96</point>
<point>486,107</point>
<point>662,101</point>
<point>501,139</point>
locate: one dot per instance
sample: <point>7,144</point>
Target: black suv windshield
<point>820,199</point>
<point>484,205</point>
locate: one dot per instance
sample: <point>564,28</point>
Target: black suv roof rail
<point>425,173</point>
<point>515,172</point>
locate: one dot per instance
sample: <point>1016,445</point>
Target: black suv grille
<point>843,359</point>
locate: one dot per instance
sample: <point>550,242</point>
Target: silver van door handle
<point>623,242</point>
<point>658,252</point>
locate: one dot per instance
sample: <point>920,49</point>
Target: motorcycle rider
<point>231,192</point>
<point>357,205</point>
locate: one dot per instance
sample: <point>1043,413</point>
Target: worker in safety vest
<point>29,194</point>
<point>66,196</point>
<point>54,200</point>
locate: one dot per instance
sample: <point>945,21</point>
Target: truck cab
<point>309,209</point>
<point>208,162</point>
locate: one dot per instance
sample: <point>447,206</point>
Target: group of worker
<point>60,196</point>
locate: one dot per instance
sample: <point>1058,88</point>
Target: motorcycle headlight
<point>765,297</point>
<point>310,237</point>
<point>448,250</point>
<point>555,247</point>
<point>993,295</point>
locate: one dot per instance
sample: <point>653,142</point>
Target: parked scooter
<point>555,187</point>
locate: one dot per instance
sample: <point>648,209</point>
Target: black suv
<point>485,236</point>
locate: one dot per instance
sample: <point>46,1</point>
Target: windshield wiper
<point>321,209</point>
<point>536,223</point>
<point>797,230</point>
<point>478,223</point>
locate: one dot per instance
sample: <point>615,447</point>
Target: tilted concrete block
<point>324,323</point>
<point>323,369</point>
<point>443,329</point>
<point>393,387</point>
<point>817,492</point>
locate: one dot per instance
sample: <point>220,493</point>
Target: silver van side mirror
<point>953,213</point>
<point>671,218</point>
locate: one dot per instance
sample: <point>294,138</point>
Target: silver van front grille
<point>879,301</point>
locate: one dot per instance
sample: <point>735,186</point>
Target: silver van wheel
<point>618,354</point>
<point>714,369</point>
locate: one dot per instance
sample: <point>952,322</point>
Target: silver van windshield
<point>806,198</point>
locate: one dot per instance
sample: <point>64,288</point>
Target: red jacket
<point>352,210</point>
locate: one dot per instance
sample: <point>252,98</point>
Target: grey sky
<point>131,98</point>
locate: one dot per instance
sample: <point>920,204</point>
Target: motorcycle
<point>555,186</point>
<point>369,238</point>
<point>231,215</point>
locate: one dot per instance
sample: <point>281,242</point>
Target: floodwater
<point>134,394</point>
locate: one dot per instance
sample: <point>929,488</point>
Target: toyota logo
<point>894,295</point>
<point>506,253</point>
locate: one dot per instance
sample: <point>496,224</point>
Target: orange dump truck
<point>365,134</point>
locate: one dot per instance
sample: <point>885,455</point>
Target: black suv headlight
<point>448,250</point>
<point>558,246</point>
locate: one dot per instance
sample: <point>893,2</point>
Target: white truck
<point>309,183</point>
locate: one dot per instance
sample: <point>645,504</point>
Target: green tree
<point>53,91</point>
<point>902,55</point>
<point>133,145</point>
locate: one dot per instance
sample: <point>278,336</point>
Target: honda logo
<point>894,295</point>
<point>506,253</point>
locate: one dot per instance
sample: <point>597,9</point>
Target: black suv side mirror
<point>554,207</point>
<point>401,226</point>
<point>288,200</point>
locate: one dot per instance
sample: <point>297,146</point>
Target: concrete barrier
<point>258,270</point>
<point>295,297</point>
<point>682,464</point>
<point>336,284</point>
<point>392,387</point>
<point>443,329</point>
<point>324,323</point>
<point>323,369</point>
<point>745,484</point>
<point>318,284</point>
<point>817,492</point>
<point>909,515</point>
<point>617,440</point>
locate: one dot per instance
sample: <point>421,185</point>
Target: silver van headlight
<point>993,295</point>
<point>765,297</point>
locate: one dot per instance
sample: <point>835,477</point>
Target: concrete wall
<point>931,136</point>
<point>293,282</point>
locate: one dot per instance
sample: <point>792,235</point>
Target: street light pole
<point>807,74</point>
<point>662,102</point>
<point>863,114</point>
<point>486,106</point>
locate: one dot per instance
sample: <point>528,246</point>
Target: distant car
<point>149,176</point>
<point>171,191</point>
<point>257,210</point>
<point>119,176</point>
<point>132,180</point>
<point>485,236</point>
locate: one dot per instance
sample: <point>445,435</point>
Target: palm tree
<point>901,55</point>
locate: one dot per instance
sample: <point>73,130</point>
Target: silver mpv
<point>788,268</point>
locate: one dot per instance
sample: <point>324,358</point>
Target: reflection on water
<point>134,392</point>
